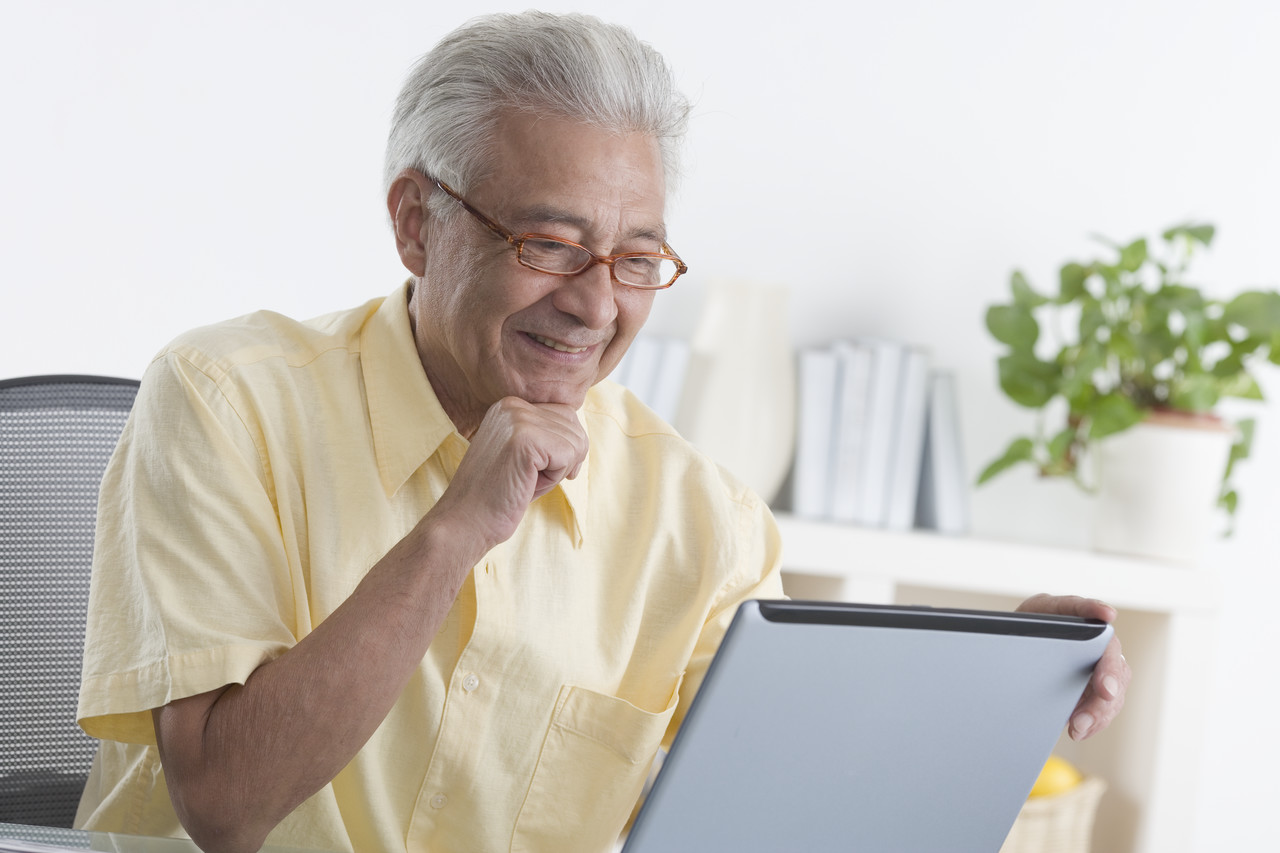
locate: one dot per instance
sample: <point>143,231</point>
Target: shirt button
<point>439,801</point>
<point>471,682</point>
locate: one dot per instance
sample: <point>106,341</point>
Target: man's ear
<point>407,204</point>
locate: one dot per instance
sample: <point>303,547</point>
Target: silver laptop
<point>826,726</point>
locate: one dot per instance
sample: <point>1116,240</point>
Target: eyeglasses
<point>554,256</point>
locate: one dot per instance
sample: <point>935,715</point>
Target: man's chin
<point>572,396</point>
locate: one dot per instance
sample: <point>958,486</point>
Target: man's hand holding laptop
<point>1104,697</point>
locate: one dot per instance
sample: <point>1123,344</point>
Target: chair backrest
<point>56,434</point>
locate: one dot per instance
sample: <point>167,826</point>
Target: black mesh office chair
<point>56,434</point>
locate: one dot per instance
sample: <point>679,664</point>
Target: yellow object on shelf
<point>1056,777</point>
<point>1057,824</point>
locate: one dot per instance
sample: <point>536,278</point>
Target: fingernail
<point>1081,724</point>
<point>1112,686</point>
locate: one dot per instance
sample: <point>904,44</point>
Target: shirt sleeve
<point>192,586</point>
<point>754,550</point>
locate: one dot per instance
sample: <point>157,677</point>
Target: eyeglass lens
<point>565,259</point>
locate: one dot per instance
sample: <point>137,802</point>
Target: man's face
<point>487,327</point>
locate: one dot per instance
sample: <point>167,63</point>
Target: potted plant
<point>1136,344</point>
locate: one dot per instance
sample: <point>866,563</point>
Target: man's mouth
<point>556,345</point>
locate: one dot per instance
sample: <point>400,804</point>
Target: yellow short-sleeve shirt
<point>268,464</point>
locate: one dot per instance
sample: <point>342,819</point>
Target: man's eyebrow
<point>545,214</point>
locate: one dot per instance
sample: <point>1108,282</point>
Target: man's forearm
<point>241,758</point>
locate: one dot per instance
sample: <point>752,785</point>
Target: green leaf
<point>1258,311</point>
<point>1021,450</point>
<point>1240,385</point>
<point>1241,449</point>
<point>1202,233</point>
<point>1122,344</point>
<point>1060,459</point>
<point>1198,393</point>
<point>1113,279</point>
<point>1027,380</point>
<point>1229,365</point>
<point>1179,297</point>
<point>1229,501</point>
<point>1023,295</point>
<point>1196,332</point>
<point>1243,445</point>
<point>1112,413</point>
<point>1013,325</point>
<point>1155,345</point>
<point>1216,328</point>
<point>1078,375</point>
<point>1091,319</point>
<point>1274,355</point>
<point>1134,255</point>
<point>1072,277</point>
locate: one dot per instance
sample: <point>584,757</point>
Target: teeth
<point>556,345</point>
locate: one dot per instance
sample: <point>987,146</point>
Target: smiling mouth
<point>556,345</point>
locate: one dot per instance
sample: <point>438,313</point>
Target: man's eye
<point>640,266</point>
<point>546,248</point>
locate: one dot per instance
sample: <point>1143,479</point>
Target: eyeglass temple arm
<point>484,220</point>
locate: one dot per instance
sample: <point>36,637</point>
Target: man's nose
<point>589,296</point>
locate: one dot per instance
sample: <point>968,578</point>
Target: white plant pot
<point>1158,486</point>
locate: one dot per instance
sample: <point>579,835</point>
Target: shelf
<point>863,555</point>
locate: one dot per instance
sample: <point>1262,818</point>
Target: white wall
<point>165,165</point>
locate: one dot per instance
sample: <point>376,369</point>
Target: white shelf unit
<point>1150,757</point>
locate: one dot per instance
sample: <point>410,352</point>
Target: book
<point>908,440</point>
<point>818,373</point>
<point>852,393</point>
<point>871,499</point>
<point>654,368</point>
<point>943,500</point>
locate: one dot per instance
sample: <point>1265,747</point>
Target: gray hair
<point>573,67</point>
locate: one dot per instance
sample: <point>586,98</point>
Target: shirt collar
<point>408,423</point>
<point>406,418</point>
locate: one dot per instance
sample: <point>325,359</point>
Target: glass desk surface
<point>20,838</point>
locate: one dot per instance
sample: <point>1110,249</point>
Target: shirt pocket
<point>592,767</point>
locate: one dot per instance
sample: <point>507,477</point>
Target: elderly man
<point>411,576</point>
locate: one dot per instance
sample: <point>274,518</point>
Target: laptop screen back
<point>830,726</point>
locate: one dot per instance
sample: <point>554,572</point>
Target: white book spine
<point>818,375</point>
<point>943,502</point>
<point>908,440</point>
<point>873,484</point>
<point>854,389</point>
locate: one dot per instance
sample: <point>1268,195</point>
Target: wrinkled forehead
<point>564,172</point>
